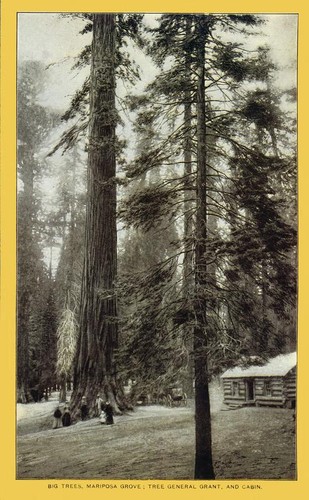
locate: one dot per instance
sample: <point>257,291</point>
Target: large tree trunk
<point>188,278</point>
<point>69,302</point>
<point>63,389</point>
<point>95,365</point>
<point>203,451</point>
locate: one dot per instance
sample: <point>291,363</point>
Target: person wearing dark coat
<point>57,418</point>
<point>66,417</point>
<point>109,414</point>
<point>84,411</point>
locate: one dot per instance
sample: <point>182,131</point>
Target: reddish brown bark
<point>95,365</point>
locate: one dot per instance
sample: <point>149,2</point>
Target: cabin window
<point>235,388</point>
<point>267,388</point>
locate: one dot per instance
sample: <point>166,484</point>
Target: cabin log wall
<point>289,388</point>
<point>282,390</point>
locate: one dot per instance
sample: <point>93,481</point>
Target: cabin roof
<point>278,366</point>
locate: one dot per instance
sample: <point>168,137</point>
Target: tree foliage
<point>34,123</point>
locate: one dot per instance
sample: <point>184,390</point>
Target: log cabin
<point>271,384</point>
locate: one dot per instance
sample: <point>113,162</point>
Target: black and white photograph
<point>157,230</point>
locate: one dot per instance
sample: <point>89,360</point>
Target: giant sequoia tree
<point>93,108</point>
<point>95,368</point>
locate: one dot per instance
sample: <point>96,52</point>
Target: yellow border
<point>11,488</point>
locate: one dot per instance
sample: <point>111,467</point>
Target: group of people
<point>104,411</point>
<point>62,419</point>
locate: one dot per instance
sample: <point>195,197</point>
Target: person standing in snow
<point>99,405</point>
<point>66,417</point>
<point>57,418</point>
<point>84,411</point>
<point>109,413</point>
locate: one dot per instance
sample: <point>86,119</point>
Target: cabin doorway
<point>249,390</point>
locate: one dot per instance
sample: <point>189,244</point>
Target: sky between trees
<point>56,40</point>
